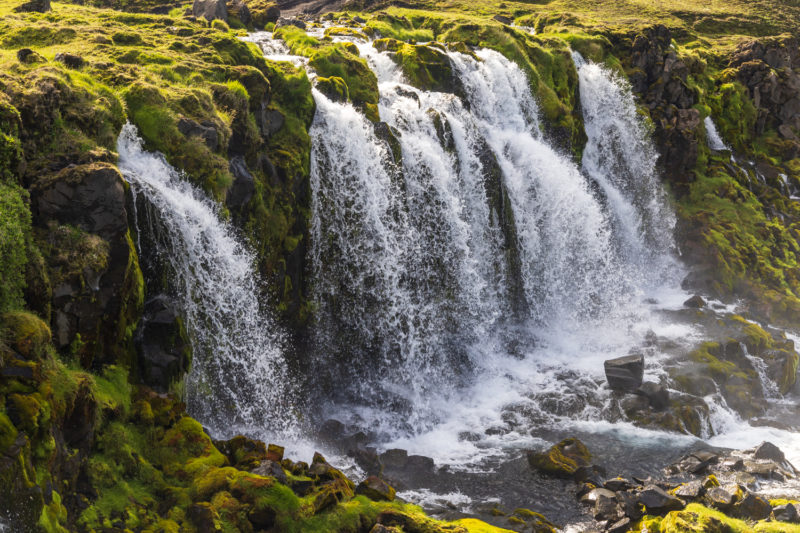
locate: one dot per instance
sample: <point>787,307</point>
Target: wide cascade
<point>453,240</point>
<point>237,382</point>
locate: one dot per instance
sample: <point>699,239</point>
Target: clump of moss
<point>562,459</point>
<point>15,232</point>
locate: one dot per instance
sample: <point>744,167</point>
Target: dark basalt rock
<point>272,469</point>
<point>210,9</point>
<point>502,19</point>
<point>695,302</point>
<point>205,130</point>
<point>657,395</point>
<point>592,497</point>
<point>238,9</point>
<point>767,450</point>
<point>244,185</point>
<point>625,373</point>
<point>752,507</point>
<point>657,501</point>
<point>165,348</point>
<point>786,513</point>
<point>28,56</point>
<point>375,489</point>
<point>70,60</point>
<point>691,490</point>
<point>272,121</point>
<point>720,498</point>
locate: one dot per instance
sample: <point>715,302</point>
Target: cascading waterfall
<point>238,378</point>
<point>620,158</point>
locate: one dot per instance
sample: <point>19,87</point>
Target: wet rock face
<point>165,349</point>
<point>625,373</point>
<point>769,71</point>
<point>659,77</point>
<point>83,213</point>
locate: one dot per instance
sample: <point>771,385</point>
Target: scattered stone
<point>657,501</point>
<point>720,498</point>
<point>605,506</point>
<point>591,497</point>
<point>691,490</point>
<point>695,302</point>
<point>562,459</point>
<point>617,484</point>
<point>275,453</point>
<point>70,60</point>
<point>593,474</point>
<point>752,507</point>
<point>625,373</point>
<point>786,513</point>
<point>375,489</point>
<point>657,395</point>
<point>620,526</point>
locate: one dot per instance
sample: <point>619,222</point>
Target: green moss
<point>26,333</point>
<point>15,228</point>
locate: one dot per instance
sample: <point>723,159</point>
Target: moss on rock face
<point>562,459</point>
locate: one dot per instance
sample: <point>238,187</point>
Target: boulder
<point>375,489</point>
<point>28,56</point>
<point>271,121</point>
<point>238,9</point>
<point>691,490</point>
<point>625,373</point>
<point>210,9</point>
<point>592,497</point>
<point>70,60</point>
<point>657,501</point>
<point>562,459</point>
<point>695,302</point>
<point>752,507</point>
<point>786,513</point>
<point>269,468</point>
<point>502,19</point>
<point>657,395</point>
<point>620,526</point>
<point>720,498</point>
<point>617,484</point>
<point>768,451</point>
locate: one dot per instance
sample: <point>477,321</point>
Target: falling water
<point>621,159</point>
<point>238,378</point>
<point>715,141</point>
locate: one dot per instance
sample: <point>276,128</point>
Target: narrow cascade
<point>713,137</point>
<point>238,378</point>
<point>620,158</point>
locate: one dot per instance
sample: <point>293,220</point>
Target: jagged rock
<point>205,130</point>
<point>617,484</point>
<point>272,469</point>
<point>375,489</point>
<point>244,185</point>
<point>752,507</point>
<point>786,513</point>
<point>691,490</point>
<point>210,9</point>
<point>657,395</point>
<point>70,60</point>
<point>591,497</point>
<point>657,501</point>
<point>625,373</point>
<point>606,507</point>
<point>620,526</point>
<point>768,451</point>
<point>720,498</point>
<point>562,459</point>
<point>695,302</point>
<point>38,6</point>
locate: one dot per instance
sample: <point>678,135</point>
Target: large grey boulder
<point>210,9</point>
<point>625,373</point>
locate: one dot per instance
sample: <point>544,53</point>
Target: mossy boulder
<point>562,459</point>
<point>427,67</point>
<point>26,333</point>
<point>334,88</point>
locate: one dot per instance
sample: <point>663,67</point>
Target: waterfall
<point>621,159</point>
<point>238,380</point>
<point>713,137</point>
